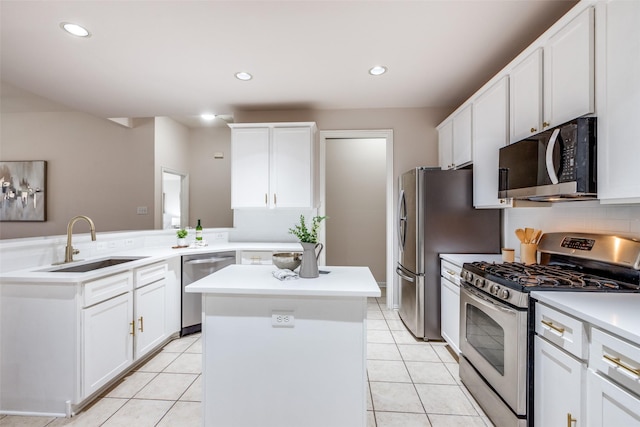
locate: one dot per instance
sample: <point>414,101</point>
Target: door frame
<point>386,134</point>
<point>184,195</point>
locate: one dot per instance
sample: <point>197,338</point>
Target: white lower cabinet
<point>119,330</point>
<point>609,405</point>
<point>559,381</point>
<point>450,304</point>
<point>63,343</point>
<point>560,367</point>
<point>254,257</point>
<point>107,348</point>
<point>614,381</point>
<point>149,317</point>
<point>580,381</point>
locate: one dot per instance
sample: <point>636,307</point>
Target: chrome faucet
<point>69,252</point>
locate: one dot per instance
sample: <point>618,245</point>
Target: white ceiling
<point>178,58</point>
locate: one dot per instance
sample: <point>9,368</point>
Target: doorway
<point>356,191</point>
<point>175,199</point>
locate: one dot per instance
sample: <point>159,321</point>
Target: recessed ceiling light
<point>207,116</point>
<point>377,70</point>
<point>75,29</point>
<point>243,76</point>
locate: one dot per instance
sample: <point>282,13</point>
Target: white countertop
<point>459,259</point>
<point>258,280</point>
<point>148,255</point>
<point>618,313</point>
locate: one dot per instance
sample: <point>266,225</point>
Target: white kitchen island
<point>285,353</point>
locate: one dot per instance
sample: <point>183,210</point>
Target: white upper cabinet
<point>455,140</point>
<point>555,83</point>
<point>490,133</point>
<point>462,139</point>
<point>445,145</point>
<point>250,167</point>
<point>291,167</point>
<point>526,96</point>
<point>618,101</point>
<point>569,71</point>
<point>273,165</point>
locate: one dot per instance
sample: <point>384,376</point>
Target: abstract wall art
<point>23,196</point>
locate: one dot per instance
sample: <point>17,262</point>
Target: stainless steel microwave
<point>558,164</point>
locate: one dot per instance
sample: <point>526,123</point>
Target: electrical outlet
<point>128,242</point>
<point>142,210</point>
<point>282,319</point>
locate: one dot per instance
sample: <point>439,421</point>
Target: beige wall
<point>210,179</point>
<point>95,167</point>
<point>356,204</point>
<point>171,151</point>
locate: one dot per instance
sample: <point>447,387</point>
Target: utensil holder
<point>528,253</point>
<point>508,255</point>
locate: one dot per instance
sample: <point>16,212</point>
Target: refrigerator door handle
<point>400,273</point>
<point>402,220</point>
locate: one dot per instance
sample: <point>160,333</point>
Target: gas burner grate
<point>550,276</point>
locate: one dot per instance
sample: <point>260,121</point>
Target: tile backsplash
<point>589,217</point>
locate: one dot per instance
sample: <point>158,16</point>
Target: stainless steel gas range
<point>496,362</point>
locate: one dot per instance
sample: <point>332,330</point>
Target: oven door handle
<point>485,298</point>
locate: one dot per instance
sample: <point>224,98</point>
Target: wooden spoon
<point>528,234</point>
<point>536,236</point>
<point>520,234</point>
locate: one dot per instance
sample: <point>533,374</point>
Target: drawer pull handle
<point>570,420</point>
<point>133,328</point>
<point>141,320</point>
<point>451,273</point>
<point>616,361</point>
<point>552,326</point>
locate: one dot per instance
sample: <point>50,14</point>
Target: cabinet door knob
<point>570,420</point>
<point>275,199</point>
<point>533,129</point>
<point>545,124</point>
<point>266,199</point>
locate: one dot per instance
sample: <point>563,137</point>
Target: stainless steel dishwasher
<point>195,267</point>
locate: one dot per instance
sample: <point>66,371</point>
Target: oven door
<point>493,338</point>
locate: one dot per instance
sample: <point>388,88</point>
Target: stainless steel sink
<point>93,265</point>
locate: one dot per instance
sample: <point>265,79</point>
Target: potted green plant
<point>309,241</point>
<point>182,234</point>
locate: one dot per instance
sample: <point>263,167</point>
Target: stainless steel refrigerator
<point>436,215</point>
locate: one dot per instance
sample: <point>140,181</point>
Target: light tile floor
<point>412,383</point>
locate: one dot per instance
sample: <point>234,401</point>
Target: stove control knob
<point>504,294</point>
<point>493,289</point>
<point>468,276</point>
<point>480,282</point>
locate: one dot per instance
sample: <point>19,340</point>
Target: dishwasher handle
<point>214,260</point>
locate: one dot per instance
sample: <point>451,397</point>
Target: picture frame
<point>23,194</point>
